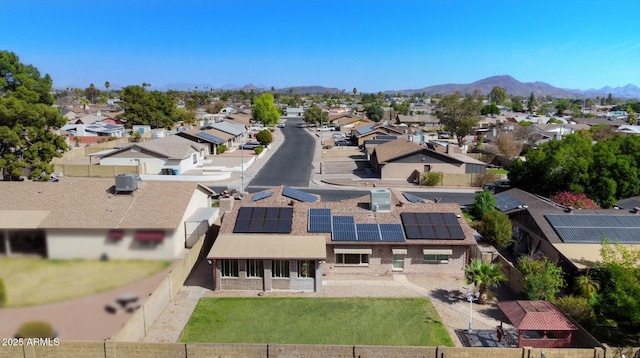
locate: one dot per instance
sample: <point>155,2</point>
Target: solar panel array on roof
<point>261,195</point>
<point>264,220</point>
<point>505,202</point>
<point>413,198</point>
<point>391,232</point>
<point>319,220</point>
<point>210,137</point>
<point>368,232</point>
<point>343,228</point>
<point>432,226</point>
<point>298,195</point>
<point>592,228</point>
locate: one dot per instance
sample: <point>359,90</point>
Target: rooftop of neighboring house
<point>93,204</point>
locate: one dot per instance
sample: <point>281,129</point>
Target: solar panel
<point>319,220</point>
<point>298,195</point>
<point>505,202</point>
<point>413,198</point>
<point>210,137</point>
<point>368,232</point>
<point>592,228</point>
<point>261,195</point>
<point>432,226</point>
<point>263,220</point>
<point>343,228</point>
<point>391,232</point>
<point>319,212</point>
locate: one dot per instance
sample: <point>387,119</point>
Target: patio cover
<point>535,316</point>
<point>22,219</point>
<point>268,246</point>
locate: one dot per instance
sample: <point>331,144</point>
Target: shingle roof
<point>391,150</point>
<point>91,204</point>
<point>171,147</point>
<point>421,118</point>
<point>358,208</point>
<point>233,129</point>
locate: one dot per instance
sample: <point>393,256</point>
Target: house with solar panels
<point>171,155</point>
<point>212,138</point>
<point>286,239</point>
<point>569,237</point>
<point>370,130</point>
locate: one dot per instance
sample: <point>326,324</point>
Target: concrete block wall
<point>111,349</point>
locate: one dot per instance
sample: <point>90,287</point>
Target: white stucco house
<point>90,220</point>
<point>158,156</point>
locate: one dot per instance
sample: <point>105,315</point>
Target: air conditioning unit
<point>381,200</point>
<point>127,182</point>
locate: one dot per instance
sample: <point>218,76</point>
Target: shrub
<point>36,329</point>
<point>483,203</point>
<point>258,149</point>
<point>431,178</point>
<point>542,278</point>
<point>575,200</point>
<point>3,294</point>
<point>264,137</point>
<point>496,228</point>
<point>221,148</point>
<point>327,146</point>
<point>579,309</point>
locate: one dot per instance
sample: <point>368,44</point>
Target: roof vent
<point>569,210</point>
<point>127,182</point>
<point>635,210</point>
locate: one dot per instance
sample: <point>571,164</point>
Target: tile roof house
<point>367,131</point>
<point>285,239</point>
<point>569,237</point>
<point>159,155</point>
<point>423,120</point>
<point>89,220</point>
<point>401,159</point>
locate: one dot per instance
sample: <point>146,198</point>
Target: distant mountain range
<point>513,87</point>
<point>524,89</point>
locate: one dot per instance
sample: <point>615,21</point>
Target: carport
<point>540,324</point>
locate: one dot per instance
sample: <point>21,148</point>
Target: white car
<point>280,125</point>
<point>338,136</point>
<point>257,128</point>
<point>326,129</point>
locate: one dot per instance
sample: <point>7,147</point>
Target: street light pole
<point>471,296</point>
<point>242,165</point>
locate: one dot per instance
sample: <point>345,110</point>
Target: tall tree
<point>374,112</point>
<point>543,279</point>
<point>264,110</point>
<point>460,115</point>
<point>498,95</point>
<point>92,90</point>
<point>516,104</point>
<point>315,115</point>
<point>532,103</point>
<point>27,121</point>
<point>632,117</point>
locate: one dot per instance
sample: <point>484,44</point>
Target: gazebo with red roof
<point>540,324</point>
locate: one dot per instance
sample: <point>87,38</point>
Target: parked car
<point>257,128</point>
<point>343,143</point>
<point>498,186</point>
<point>250,145</point>
<point>326,129</point>
<point>338,136</point>
<point>280,125</point>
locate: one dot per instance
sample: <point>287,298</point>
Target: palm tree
<point>107,85</point>
<point>586,286</point>
<point>92,88</point>
<point>483,275</point>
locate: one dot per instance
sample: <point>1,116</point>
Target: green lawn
<point>34,281</point>
<point>336,321</point>
<point>498,171</point>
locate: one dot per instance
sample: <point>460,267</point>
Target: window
<point>436,258</point>
<point>398,262</point>
<point>437,255</point>
<point>352,259</point>
<point>229,268</point>
<point>280,268</point>
<point>195,158</point>
<point>307,268</point>
<point>254,268</point>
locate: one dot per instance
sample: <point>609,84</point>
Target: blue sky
<point>370,45</point>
